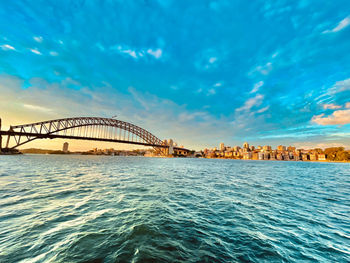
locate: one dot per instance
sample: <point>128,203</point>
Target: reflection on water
<point>127,209</point>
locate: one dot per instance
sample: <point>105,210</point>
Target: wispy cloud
<point>257,86</point>
<point>263,69</point>
<point>340,86</point>
<point>341,25</point>
<point>331,106</point>
<point>212,60</point>
<point>252,102</point>
<point>38,39</point>
<point>35,51</point>
<point>138,53</point>
<point>36,107</point>
<point>211,92</point>
<point>7,47</point>
<point>53,53</point>
<point>130,52</point>
<point>263,109</point>
<point>155,53</point>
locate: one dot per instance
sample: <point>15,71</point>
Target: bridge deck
<point>58,136</point>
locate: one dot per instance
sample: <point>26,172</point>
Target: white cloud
<point>130,52</point>
<point>264,69</point>
<point>340,86</point>
<point>218,84</point>
<point>212,60</point>
<point>331,106</point>
<point>138,53</point>
<point>53,53</point>
<point>341,25</point>
<point>339,117</point>
<point>7,47</point>
<point>263,109</point>
<point>36,107</point>
<point>38,39</point>
<point>250,103</point>
<point>35,51</point>
<point>257,86</point>
<point>211,92</point>
<point>155,53</point>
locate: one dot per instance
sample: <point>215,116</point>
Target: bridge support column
<point>0,138</point>
<point>8,139</point>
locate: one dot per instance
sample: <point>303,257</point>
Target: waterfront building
<point>65,147</point>
<point>236,148</point>
<point>259,147</point>
<point>286,156</point>
<point>228,154</point>
<point>291,149</point>
<point>222,147</point>
<point>267,148</point>
<point>181,152</point>
<point>296,156</point>
<point>281,148</point>
<point>273,156</point>
<point>322,157</point>
<point>252,148</point>
<point>245,145</point>
<point>247,155</point>
<point>313,157</point>
<point>305,157</point>
<point>255,156</point>
<point>266,156</point>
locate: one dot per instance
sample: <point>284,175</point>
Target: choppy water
<point>127,209</point>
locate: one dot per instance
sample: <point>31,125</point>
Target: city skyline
<point>268,72</point>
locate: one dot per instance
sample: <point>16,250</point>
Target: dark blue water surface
<point>134,209</point>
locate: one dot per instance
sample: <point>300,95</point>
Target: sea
<point>94,209</point>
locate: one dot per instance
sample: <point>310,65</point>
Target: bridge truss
<point>83,128</point>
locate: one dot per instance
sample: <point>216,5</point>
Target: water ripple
<point>93,209</point>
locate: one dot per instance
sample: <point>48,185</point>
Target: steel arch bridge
<point>83,128</point>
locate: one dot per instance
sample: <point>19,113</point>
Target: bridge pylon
<point>0,138</point>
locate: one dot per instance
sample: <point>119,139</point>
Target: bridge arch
<point>84,128</point>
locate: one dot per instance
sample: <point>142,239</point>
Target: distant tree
<point>337,154</point>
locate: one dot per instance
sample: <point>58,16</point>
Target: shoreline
<point>315,161</point>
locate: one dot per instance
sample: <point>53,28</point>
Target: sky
<point>199,72</point>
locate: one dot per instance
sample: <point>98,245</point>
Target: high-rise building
<point>222,147</point>
<point>65,147</point>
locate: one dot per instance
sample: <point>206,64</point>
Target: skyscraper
<point>222,147</point>
<point>65,147</point>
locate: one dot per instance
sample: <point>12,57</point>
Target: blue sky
<point>200,72</point>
